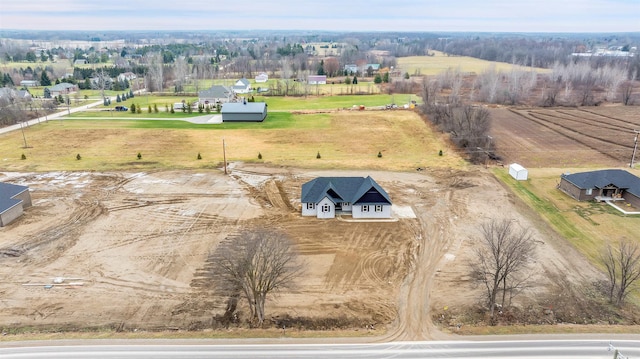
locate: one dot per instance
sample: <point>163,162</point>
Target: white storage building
<point>518,172</point>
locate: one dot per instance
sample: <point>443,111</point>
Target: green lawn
<point>587,226</point>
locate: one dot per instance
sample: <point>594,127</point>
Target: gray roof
<point>244,81</point>
<point>603,178</point>
<point>61,86</point>
<point>7,192</point>
<point>356,190</point>
<point>216,91</point>
<point>243,107</point>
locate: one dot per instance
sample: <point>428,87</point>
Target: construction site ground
<point>129,250</point>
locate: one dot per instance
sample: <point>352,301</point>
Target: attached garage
<point>13,199</point>
<point>518,172</point>
<point>244,112</point>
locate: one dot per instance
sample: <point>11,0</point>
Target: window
<point>365,208</point>
<point>311,205</point>
<point>326,208</point>
<point>346,204</point>
<point>378,208</point>
<point>589,191</point>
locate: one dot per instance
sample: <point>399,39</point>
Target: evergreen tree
<point>149,109</point>
<point>31,57</point>
<point>321,68</point>
<point>377,79</point>
<point>118,99</point>
<point>44,79</point>
<point>155,108</point>
<point>133,108</point>
<point>131,93</point>
<point>385,78</point>
<point>355,80</point>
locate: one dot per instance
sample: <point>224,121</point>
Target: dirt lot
<point>139,244</point>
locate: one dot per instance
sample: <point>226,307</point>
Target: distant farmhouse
<point>242,86</point>
<point>13,200</point>
<point>244,112</point>
<point>29,83</point>
<point>317,80</point>
<point>604,185</point>
<point>216,94</point>
<point>262,77</point>
<point>127,76</point>
<point>324,197</point>
<point>62,88</point>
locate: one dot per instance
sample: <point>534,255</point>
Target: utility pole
<point>635,148</point>
<point>224,156</point>
<point>23,136</point>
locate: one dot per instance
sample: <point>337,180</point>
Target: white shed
<point>518,172</point>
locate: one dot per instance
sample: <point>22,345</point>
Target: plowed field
<point>566,137</point>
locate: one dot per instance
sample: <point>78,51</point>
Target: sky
<point>327,15</point>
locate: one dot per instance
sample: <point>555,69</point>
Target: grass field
<point>588,226</point>
<point>440,62</point>
<point>345,139</point>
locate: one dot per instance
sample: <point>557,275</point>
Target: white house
<point>127,76</point>
<point>518,172</point>
<point>262,77</point>
<point>242,86</point>
<point>324,197</point>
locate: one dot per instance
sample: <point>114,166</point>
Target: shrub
<point>259,155</point>
<point>379,154</point>
<point>23,157</point>
<point>318,155</point>
<point>78,157</point>
<point>199,156</point>
<point>440,153</point>
<point>139,155</point>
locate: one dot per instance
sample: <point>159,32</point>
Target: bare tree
<point>501,261</point>
<point>623,269</point>
<point>154,78</point>
<point>253,264</point>
<point>626,90</point>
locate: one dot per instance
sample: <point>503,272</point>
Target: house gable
<point>348,194</point>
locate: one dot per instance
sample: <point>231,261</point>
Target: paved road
<point>52,116</point>
<point>584,349</point>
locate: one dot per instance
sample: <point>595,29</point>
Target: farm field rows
<point>566,137</point>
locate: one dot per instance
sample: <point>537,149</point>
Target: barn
<point>518,172</point>
<point>244,112</point>
<point>13,200</point>
<point>317,80</point>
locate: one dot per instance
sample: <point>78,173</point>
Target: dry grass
<point>344,139</point>
<point>433,65</point>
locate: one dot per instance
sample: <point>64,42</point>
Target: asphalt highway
<point>585,349</point>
